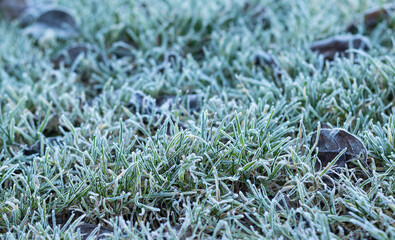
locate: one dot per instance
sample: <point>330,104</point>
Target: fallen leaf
<point>33,12</point>
<point>56,21</point>
<point>373,17</point>
<point>171,59</point>
<point>332,142</point>
<point>141,103</point>
<point>12,9</point>
<point>121,49</point>
<point>191,103</point>
<point>284,202</point>
<point>266,60</point>
<point>29,16</point>
<point>183,233</point>
<point>339,44</point>
<point>257,14</point>
<point>262,59</point>
<point>86,229</point>
<point>138,102</point>
<point>69,55</point>
<point>36,147</point>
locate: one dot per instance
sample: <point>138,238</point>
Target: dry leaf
<point>12,9</point>
<point>86,229</point>
<point>171,59</point>
<point>339,44</point>
<point>69,55</point>
<point>373,17</point>
<point>36,147</point>
<point>141,103</point>
<point>332,142</point>
<point>257,13</point>
<point>191,102</point>
<point>262,58</point>
<point>121,49</point>
<point>56,21</point>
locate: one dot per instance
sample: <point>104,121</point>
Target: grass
<point>242,167</point>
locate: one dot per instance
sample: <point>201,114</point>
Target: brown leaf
<point>373,17</point>
<point>339,44</point>
<point>69,55</point>
<point>86,229</point>
<point>121,50</point>
<point>141,103</point>
<point>257,13</point>
<point>36,147</point>
<point>12,9</point>
<point>284,202</point>
<point>171,59</point>
<point>262,58</point>
<point>266,60</point>
<point>191,102</point>
<point>332,141</point>
<point>58,21</point>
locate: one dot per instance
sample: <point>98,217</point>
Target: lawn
<point>197,119</point>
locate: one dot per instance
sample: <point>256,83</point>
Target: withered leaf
<point>56,21</point>
<point>121,49</point>
<point>33,11</point>
<point>266,60</point>
<point>135,101</point>
<point>262,58</point>
<point>191,102</point>
<point>339,44</point>
<point>117,33</point>
<point>29,16</point>
<point>373,17</point>
<point>171,59</point>
<point>257,14</point>
<point>86,229</point>
<point>36,147</point>
<point>12,9</point>
<point>69,55</point>
<point>284,202</point>
<point>332,141</point>
<point>141,103</point>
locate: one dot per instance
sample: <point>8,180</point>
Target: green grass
<point>242,167</point>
